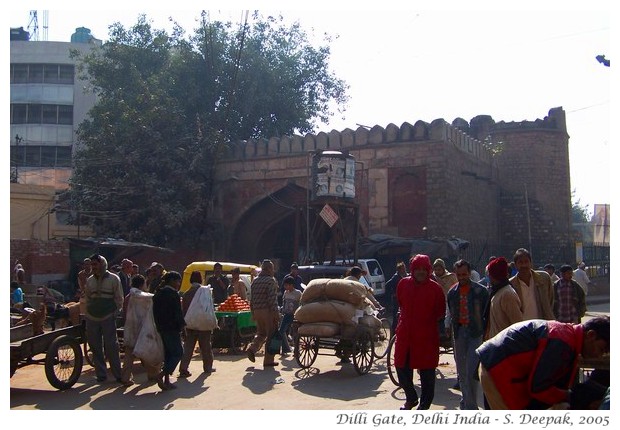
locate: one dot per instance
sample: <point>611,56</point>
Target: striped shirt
<point>264,293</point>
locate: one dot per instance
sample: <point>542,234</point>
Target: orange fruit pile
<point>234,303</point>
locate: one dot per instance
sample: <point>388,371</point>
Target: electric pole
<point>16,175</point>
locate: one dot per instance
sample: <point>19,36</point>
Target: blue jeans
<point>173,350</point>
<point>467,366</point>
<point>287,320</point>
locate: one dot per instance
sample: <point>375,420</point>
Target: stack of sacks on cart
<point>329,307</point>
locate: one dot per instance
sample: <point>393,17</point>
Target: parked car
<point>374,276</point>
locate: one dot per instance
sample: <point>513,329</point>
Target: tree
<point>168,107</point>
<point>580,213</point>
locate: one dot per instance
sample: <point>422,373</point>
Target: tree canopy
<point>169,104</point>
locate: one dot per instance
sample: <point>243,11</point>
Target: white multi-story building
<point>48,102</point>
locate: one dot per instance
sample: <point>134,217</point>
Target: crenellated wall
<point>427,179</point>
<point>347,140</point>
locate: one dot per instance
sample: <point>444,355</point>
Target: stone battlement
<point>437,131</point>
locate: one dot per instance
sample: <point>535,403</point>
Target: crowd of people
<point>518,333</point>
<point>105,293</point>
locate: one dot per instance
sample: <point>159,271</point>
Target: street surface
<point>239,384</point>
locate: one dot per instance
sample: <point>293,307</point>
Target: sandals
<point>409,405</point>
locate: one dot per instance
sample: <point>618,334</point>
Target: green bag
<point>274,343</point>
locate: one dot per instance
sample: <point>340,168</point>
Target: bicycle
<point>390,362</point>
<point>445,347</point>
<point>383,335</point>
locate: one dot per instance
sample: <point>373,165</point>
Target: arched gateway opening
<point>278,227</point>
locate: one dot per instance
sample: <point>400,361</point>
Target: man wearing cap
<point>104,299</point>
<point>219,284</point>
<point>569,305</point>
<point>422,304</point>
<point>504,306</point>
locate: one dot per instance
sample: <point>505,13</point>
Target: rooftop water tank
<point>81,35</point>
<point>333,175</point>
<point>19,34</point>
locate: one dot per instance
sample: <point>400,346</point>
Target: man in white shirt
<point>581,277</point>
<point>533,287</point>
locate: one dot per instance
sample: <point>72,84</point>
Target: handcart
<point>358,342</point>
<point>236,330</point>
<point>62,350</point>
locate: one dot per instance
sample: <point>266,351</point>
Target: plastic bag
<point>149,346</point>
<point>201,313</point>
<point>274,344</point>
<point>140,304</point>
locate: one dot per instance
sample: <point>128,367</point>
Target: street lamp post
<point>17,141</point>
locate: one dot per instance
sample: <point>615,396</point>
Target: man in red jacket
<point>422,304</point>
<point>532,364</point>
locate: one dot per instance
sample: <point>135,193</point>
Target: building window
<point>49,114</point>
<point>42,73</point>
<point>66,74</point>
<point>34,114</point>
<point>41,114</point>
<point>35,73</point>
<point>63,156</point>
<point>40,156</point>
<point>19,113</point>
<point>50,73</point>
<point>32,156</point>
<point>65,114</point>
<point>19,73</point>
<point>48,156</point>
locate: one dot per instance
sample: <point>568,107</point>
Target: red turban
<point>498,268</point>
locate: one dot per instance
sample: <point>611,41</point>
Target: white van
<point>374,273</point>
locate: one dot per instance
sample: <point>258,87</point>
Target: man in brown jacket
<point>264,307</point>
<point>533,287</point>
<point>504,307</point>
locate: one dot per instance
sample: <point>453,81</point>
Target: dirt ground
<point>237,384</point>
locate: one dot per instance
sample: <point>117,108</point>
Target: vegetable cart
<point>236,330</point>
<point>63,358</point>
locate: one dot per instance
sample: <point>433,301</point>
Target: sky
<point>434,60</point>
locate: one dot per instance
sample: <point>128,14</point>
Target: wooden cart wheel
<point>363,354</point>
<point>382,338</point>
<point>390,362</point>
<point>306,350</point>
<point>63,362</point>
